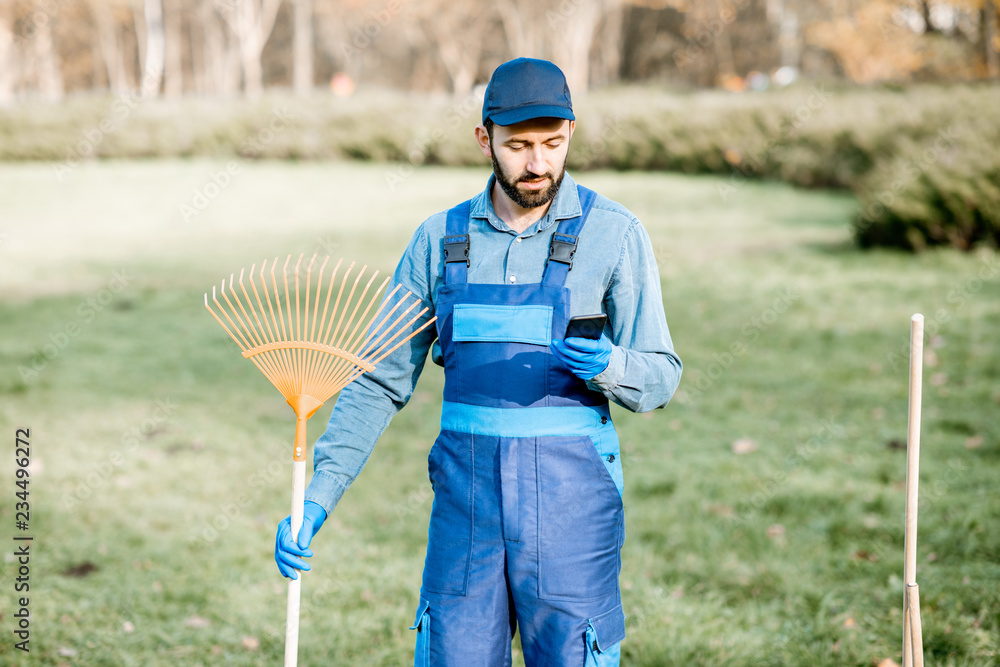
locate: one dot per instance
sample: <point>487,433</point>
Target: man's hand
<point>287,552</point>
<point>585,357</point>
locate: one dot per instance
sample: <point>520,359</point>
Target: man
<point>527,523</point>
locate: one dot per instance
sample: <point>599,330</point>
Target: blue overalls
<point>527,523</point>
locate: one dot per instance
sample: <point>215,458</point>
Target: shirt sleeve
<point>643,371</point>
<point>365,407</point>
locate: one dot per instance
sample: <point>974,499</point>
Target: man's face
<point>529,159</point>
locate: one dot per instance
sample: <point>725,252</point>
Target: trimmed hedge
<point>944,191</point>
<point>923,160</point>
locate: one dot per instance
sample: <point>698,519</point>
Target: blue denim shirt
<point>614,271</point>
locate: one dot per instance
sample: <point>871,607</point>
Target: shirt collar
<point>565,205</point>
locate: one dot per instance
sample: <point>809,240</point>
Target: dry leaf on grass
<point>196,622</point>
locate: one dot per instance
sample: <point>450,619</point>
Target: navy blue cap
<point>526,88</point>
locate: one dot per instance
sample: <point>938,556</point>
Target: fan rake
<point>311,355</point>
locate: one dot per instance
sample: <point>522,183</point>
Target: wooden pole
<point>913,647</point>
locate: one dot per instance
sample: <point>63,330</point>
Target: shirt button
<point>518,239</point>
<point>513,279</point>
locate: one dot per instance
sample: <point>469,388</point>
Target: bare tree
<point>252,20</point>
<point>220,52</point>
<point>573,37</point>
<point>563,30</point>
<point>109,39</point>
<point>457,31</point>
<point>8,55</point>
<point>302,47</point>
<point>44,58</point>
<point>519,18</point>
<point>991,38</point>
<point>173,81</point>
<point>155,48</point>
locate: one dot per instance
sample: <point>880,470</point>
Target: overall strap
<point>564,239</point>
<point>456,244</point>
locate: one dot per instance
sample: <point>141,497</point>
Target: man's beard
<point>531,199</point>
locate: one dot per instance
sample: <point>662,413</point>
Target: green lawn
<point>161,457</point>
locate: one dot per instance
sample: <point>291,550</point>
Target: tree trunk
<point>173,82</point>
<point>303,47</point>
<point>574,27</point>
<point>49,76</point>
<point>520,20</point>
<point>140,45</point>
<point>925,12</point>
<point>220,51</point>
<point>254,22</point>
<point>723,47</point>
<point>8,70</point>
<point>990,38</point>
<point>152,68</point>
<point>198,65</point>
<point>250,48</point>
<point>461,67</point>
<point>111,48</point>
<point>212,49</point>
<point>609,36</point>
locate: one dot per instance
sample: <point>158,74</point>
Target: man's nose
<point>537,161</point>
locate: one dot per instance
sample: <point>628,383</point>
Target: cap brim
<point>531,112</point>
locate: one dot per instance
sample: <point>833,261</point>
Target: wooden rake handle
<point>913,648</point>
<point>305,406</point>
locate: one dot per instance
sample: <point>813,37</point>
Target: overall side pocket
<point>604,637</point>
<point>422,624</point>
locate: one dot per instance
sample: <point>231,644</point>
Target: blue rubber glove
<point>286,552</point>
<point>587,358</point>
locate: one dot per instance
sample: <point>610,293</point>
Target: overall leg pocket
<point>422,624</point>
<point>449,538</point>
<point>580,519</point>
<point>604,636</point>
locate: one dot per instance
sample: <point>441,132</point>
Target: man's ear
<point>572,126</point>
<point>483,139</point>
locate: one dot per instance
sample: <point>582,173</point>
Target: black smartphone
<point>586,326</point>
